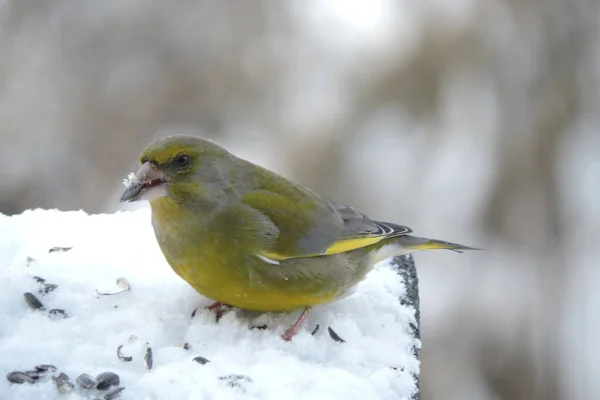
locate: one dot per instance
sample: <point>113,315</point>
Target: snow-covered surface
<point>158,310</point>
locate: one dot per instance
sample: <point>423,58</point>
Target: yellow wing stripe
<point>341,246</point>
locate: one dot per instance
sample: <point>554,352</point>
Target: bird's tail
<point>413,243</point>
<point>407,244</point>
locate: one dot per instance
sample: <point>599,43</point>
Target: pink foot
<point>291,332</point>
<point>219,309</point>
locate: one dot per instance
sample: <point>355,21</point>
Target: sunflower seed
<point>314,332</point>
<point>195,311</point>
<point>260,327</point>
<point>19,377</point>
<point>121,356</point>
<point>113,394</point>
<point>59,249</point>
<point>201,360</point>
<point>39,279</point>
<point>57,313</point>
<point>33,301</point>
<point>107,379</point>
<point>235,380</point>
<point>148,358</point>
<point>60,378</point>
<point>47,288</point>
<point>122,286</point>
<point>35,374</point>
<point>65,387</point>
<point>46,368</point>
<point>335,336</point>
<point>85,381</point>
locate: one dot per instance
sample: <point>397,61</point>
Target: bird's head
<point>183,167</point>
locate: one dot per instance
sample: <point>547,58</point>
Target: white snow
<point>158,310</point>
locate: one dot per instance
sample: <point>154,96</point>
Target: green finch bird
<point>247,237</point>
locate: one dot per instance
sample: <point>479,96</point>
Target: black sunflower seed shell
<point>105,380</point>
<point>59,249</point>
<point>33,301</point>
<point>60,378</point>
<point>19,377</point>
<point>148,358</point>
<point>335,336</point>
<point>58,313</point>
<point>314,332</point>
<point>46,368</point>
<point>114,393</point>
<point>201,360</point>
<point>121,356</point>
<point>65,387</point>
<point>47,288</point>
<point>35,374</point>
<point>85,381</point>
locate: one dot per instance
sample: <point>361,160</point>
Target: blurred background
<point>471,121</point>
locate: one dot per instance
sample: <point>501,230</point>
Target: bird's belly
<point>273,301</point>
<point>256,293</point>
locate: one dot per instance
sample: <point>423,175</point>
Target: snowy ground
<point>158,310</point>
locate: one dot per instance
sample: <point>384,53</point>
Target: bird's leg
<point>219,309</point>
<point>291,332</point>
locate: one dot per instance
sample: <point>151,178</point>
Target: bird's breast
<point>221,268</point>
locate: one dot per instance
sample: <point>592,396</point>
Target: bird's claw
<point>289,334</point>
<point>219,309</point>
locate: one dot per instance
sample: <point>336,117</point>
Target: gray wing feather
<point>356,224</point>
<point>339,222</point>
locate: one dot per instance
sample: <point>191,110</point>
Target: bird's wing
<point>360,231</point>
<point>310,225</point>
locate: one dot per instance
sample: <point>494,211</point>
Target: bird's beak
<point>147,184</point>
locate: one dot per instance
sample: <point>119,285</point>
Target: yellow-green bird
<point>247,237</point>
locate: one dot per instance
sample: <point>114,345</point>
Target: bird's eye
<point>182,160</point>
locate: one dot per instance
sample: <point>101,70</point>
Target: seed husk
<point>33,301</point>
<point>60,378</point>
<point>46,368</point>
<point>65,387</point>
<point>19,377</point>
<point>335,336</point>
<point>148,358</point>
<point>122,286</point>
<point>201,360</point>
<point>58,313</point>
<point>35,374</point>
<point>234,380</point>
<point>314,332</point>
<point>47,288</point>
<point>260,327</point>
<point>85,381</point>
<point>59,249</point>
<point>107,379</point>
<point>121,356</point>
<point>113,394</point>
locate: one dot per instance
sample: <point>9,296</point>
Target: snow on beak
<point>146,184</point>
